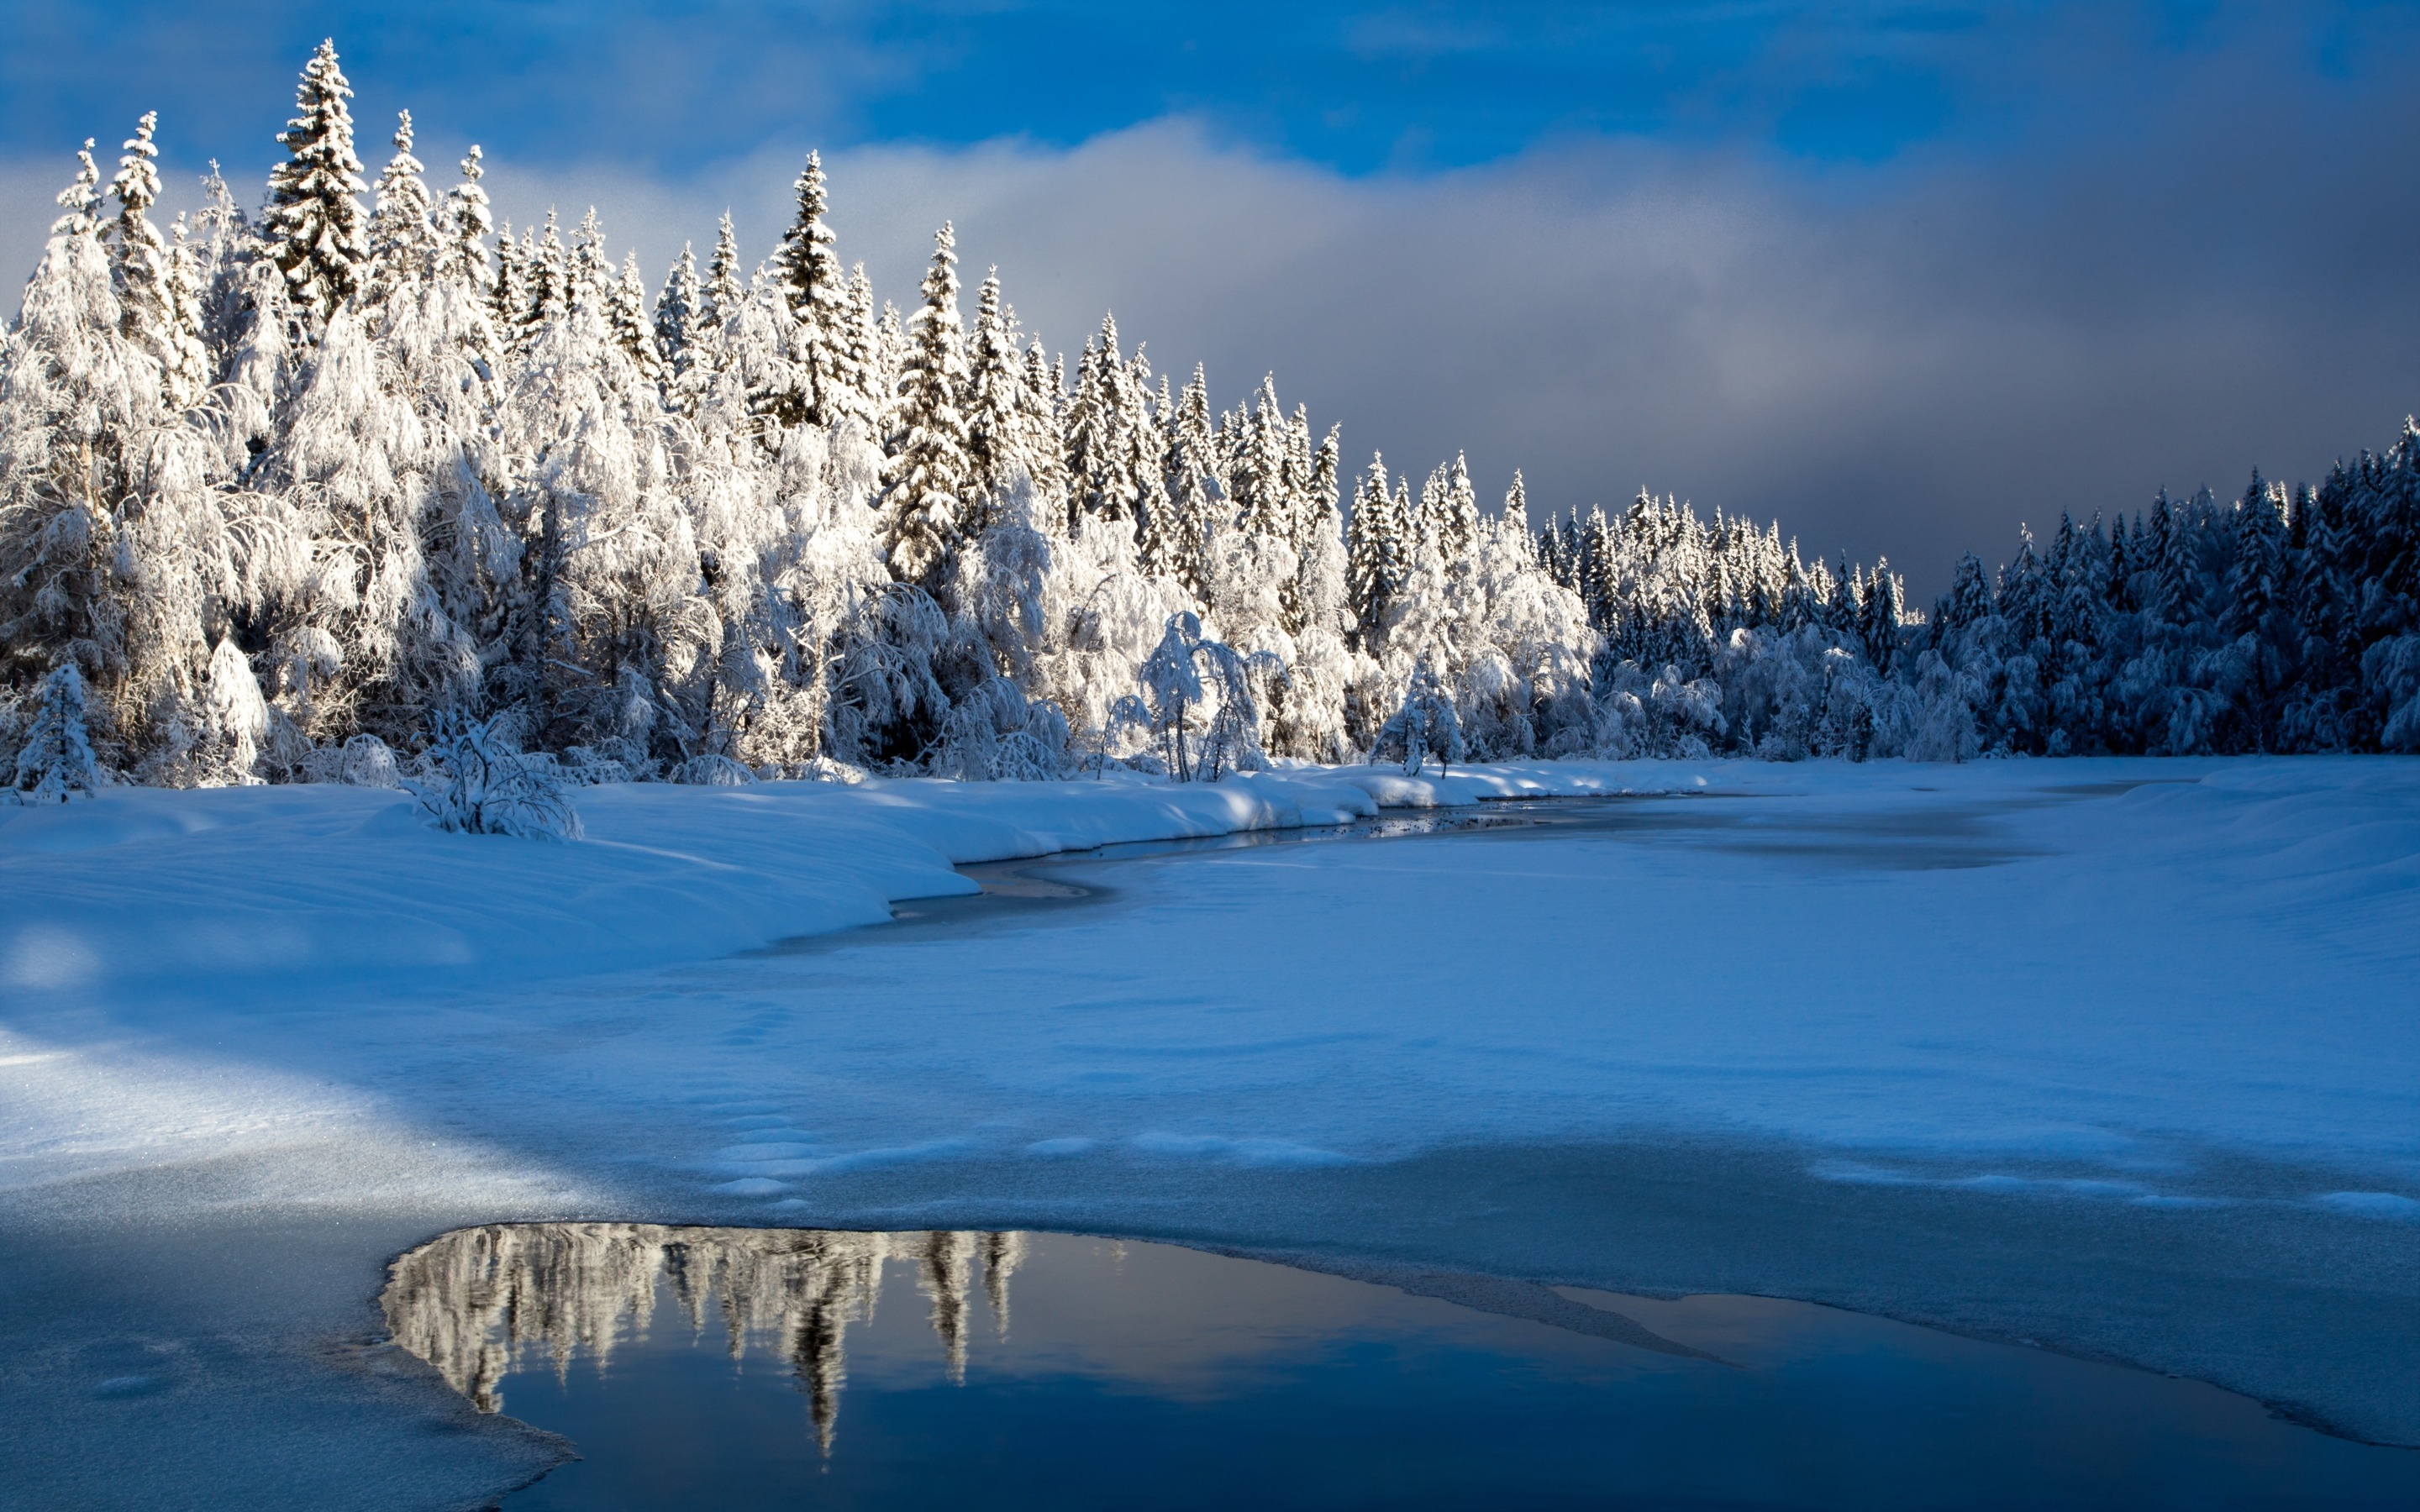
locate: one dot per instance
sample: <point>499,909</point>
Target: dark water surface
<point>741,1368</point>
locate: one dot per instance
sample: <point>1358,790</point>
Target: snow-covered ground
<point>2121,1056</point>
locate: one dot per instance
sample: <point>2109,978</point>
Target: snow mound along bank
<point>201,893</point>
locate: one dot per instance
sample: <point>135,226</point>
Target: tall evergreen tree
<point>625,315</point>
<point>159,309</point>
<point>993,405</point>
<point>931,488</point>
<point>403,232</point>
<point>1374,556</point>
<point>822,389</point>
<point>724,288</point>
<point>314,223</point>
<point>676,314</point>
<point>468,222</point>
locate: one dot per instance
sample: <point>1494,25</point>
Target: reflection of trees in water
<point>475,1303</point>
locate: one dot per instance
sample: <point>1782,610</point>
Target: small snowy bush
<point>363,762</point>
<point>584,767</point>
<point>712,771</point>
<point>478,784</point>
<point>1424,726</point>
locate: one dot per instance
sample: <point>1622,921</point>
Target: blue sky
<point>1355,87</point>
<point>1903,274</point>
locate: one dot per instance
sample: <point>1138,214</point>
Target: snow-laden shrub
<point>826,769</point>
<point>477,784</point>
<point>1194,698</point>
<point>363,762</point>
<point>55,760</point>
<point>1654,714</point>
<point>583,766</point>
<point>994,732</point>
<point>2391,671</point>
<point>1945,714</point>
<point>709,770</point>
<point>1424,726</point>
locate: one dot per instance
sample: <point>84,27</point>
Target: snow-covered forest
<point>309,492</point>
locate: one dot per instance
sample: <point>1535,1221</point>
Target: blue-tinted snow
<point>2120,1054</point>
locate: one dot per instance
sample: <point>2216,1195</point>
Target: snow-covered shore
<point>212,891</point>
<point>2116,1054</point>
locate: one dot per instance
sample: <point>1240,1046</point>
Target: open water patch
<point>761,1367</point>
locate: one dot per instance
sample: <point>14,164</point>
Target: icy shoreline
<point>204,891</point>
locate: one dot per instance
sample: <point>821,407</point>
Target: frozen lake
<point>2117,1058</point>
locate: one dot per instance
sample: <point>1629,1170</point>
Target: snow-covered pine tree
<point>1879,612</point>
<point>1160,546</point>
<point>822,389</point>
<point>82,198</point>
<point>185,362</point>
<point>625,315</point>
<point>159,304</point>
<point>138,257</point>
<point>56,761</point>
<point>466,223</point>
<point>1309,710</point>
<point>725,289</point>
<point>548,266</point>
<point>403,240</point>
<point>995,406</point>
<point>508,295</point>
<point>1101,448</point>
<point>592,271</point>
<point>1257,483</point>
<point>1374,556</point>
<point>677,316</point>
<point>313,223</point>
<point>931,490</point>
<point>1188,479</point>
<point>1457,526</point>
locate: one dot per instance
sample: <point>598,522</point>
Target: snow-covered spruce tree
<point>404,239</point>
<point>931,489</point>
<point>998,445</point>
<point>678,318</point>
<point>822,388</point>
<point>1309,711</point>
<point>1101,449</point>
<point>313,223</point>
<point>1374,567</point>
<point>466,221</point>
<point>625,314</point>
<point>54,761</point>
<point>158,299</point>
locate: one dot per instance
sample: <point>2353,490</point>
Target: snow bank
<point>204,891</point>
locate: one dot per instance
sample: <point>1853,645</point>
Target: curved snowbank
<point>202,891</point>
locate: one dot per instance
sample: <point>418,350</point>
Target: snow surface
<point>2158,1014</point>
